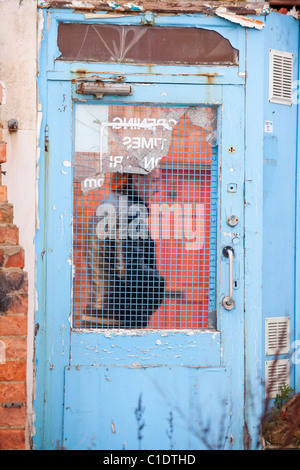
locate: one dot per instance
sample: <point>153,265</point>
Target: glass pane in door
<point>144,217</point>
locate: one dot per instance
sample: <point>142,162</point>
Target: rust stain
<point>80,74</point>
<point>80,71</point>
<point>84,75</point>
<point>210,77</point>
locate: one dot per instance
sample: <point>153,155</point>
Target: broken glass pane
<point>143,44</point>
<point>144,217</point>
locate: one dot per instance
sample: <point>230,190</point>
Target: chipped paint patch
<point>229,234</point>
<point>131,6</point>
<point>81,4</point>
<point>244,21</point>
<point>114,5</point>
<point>134,7</point>
<point>113,333</point>
<point>163,333</point>
<point>106,14</point>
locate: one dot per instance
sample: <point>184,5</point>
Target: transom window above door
<point>143,44</point>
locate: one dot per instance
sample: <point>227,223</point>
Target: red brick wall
<point>13,325</point>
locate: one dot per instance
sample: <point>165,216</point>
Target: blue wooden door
<point>176,382</point>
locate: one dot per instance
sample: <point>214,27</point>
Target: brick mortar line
<point>12,268</point>
<point>19,291</point>
<point>4,314</point>
<point>13,360</point>
<point>14,336</point>
<point>8,428</point>
<point>10,243</point>
<point>12,382</point>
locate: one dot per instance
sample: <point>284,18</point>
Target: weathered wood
<point>161,6</point>
<point>284,3</point>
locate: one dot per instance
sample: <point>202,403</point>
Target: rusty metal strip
<point>242,20</point>
<point>284,3</point>
<point>162,6</point>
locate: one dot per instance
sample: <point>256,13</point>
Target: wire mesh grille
<point>144,242</point>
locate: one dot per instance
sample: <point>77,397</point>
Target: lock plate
<point>232,220</point>
<point>228,302</point>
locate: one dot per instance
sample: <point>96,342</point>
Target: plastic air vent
<point>277,336</point>
<point>277,374</point>
<point>280,77</point>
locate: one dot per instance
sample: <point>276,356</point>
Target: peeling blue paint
<point>134,7</point>
<point>113,5</point>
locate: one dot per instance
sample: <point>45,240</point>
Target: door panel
<point>162,408</point>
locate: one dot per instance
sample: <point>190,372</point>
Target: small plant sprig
<point>283,396</point>
<point>139,411</point>
<point>170,429</point>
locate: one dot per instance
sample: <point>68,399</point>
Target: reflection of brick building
<point>188,174</point>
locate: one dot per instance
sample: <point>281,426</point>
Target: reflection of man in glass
<point>126,287</point>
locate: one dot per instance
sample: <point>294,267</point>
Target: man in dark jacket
<point>126,287</point>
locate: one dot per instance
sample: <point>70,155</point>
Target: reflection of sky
<point>87,136</point>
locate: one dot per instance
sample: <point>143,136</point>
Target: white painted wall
<point>18,68</point>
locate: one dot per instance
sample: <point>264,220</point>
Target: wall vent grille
<point>277,374</point>
<point>281,77</point>
<point>277,336</point>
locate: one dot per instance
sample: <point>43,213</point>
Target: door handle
<point>228,301</point>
